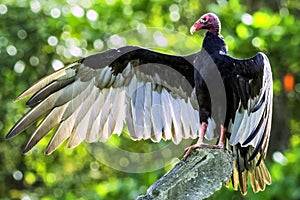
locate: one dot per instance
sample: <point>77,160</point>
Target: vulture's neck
<point>216,28</point>
<point>214,43</point>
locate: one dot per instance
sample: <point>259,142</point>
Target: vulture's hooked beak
<point>193,29</point>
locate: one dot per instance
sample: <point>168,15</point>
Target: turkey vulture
<point>160,96</point>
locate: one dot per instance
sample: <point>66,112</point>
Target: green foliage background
<point>35,33</point>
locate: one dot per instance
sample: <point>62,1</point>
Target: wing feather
<point>34,114</point>
<point>175,115</point>
<point>157,114</point>
<point>139,114</point>
<point>52,120</point>
<point>78,97</point>
<point>66,72</point>
<point>63,132</point>
<point>147,111</point>
<point>252,120</point>
<point>99,103</point>
<point>94,97</point>
<point>192,120</point>
<point>167,121</point>
<point>110,121</point>
<point>84,123</point>
<point>79,128</point>
<point>250,128</point>
<point>104,115</point>
<point>184,119</point>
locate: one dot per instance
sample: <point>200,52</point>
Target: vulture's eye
<point>203,20</point>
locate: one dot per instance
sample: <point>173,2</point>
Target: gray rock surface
<point>203,173</point>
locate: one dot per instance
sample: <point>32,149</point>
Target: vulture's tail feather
<point>259,174</point>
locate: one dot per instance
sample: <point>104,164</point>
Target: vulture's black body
<point>158,96</point>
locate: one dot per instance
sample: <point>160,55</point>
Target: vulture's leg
<point>199,143</point>
<point>221,142</point>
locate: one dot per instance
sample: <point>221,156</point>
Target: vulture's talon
<point>189,149</point>
<point>218,146</point>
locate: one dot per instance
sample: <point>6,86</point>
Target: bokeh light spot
<point>77,11</point>
<point>279,158</point>
<point>19,67</point>
<point>26,198</point>
<point>34,61</point>
<point>35,6</point>
<point>3,9</point>
<point>98,44</point>
<point>160,39</point>
<point>247,19</point>
<point>52,40</point>
<point>11,50</point>
<point>115,41</point>
<point>94,166</point>
<point>18,175</point>
<point>141,28</point>
<point>257,42</point>
<point>57,64</point>
<point>75,51</point>
<point>92,15</point>
<point>174,16</point>
<point>55,13</point>
<point>22,34</point>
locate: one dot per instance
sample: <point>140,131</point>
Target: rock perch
<point>203,173</point>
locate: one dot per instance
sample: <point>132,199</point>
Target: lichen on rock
<point>203,173</point>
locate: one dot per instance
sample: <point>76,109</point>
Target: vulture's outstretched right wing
<point>92,98</point>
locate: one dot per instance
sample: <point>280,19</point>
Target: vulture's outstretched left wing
<point>92,98</point>
<point>252,102</point>
<point>250,99</point>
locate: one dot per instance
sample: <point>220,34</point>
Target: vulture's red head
<point>208,21</point>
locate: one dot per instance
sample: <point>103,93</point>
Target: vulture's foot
<point>220,144</point>
<point>200,142</point>
<point>189,149</point>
